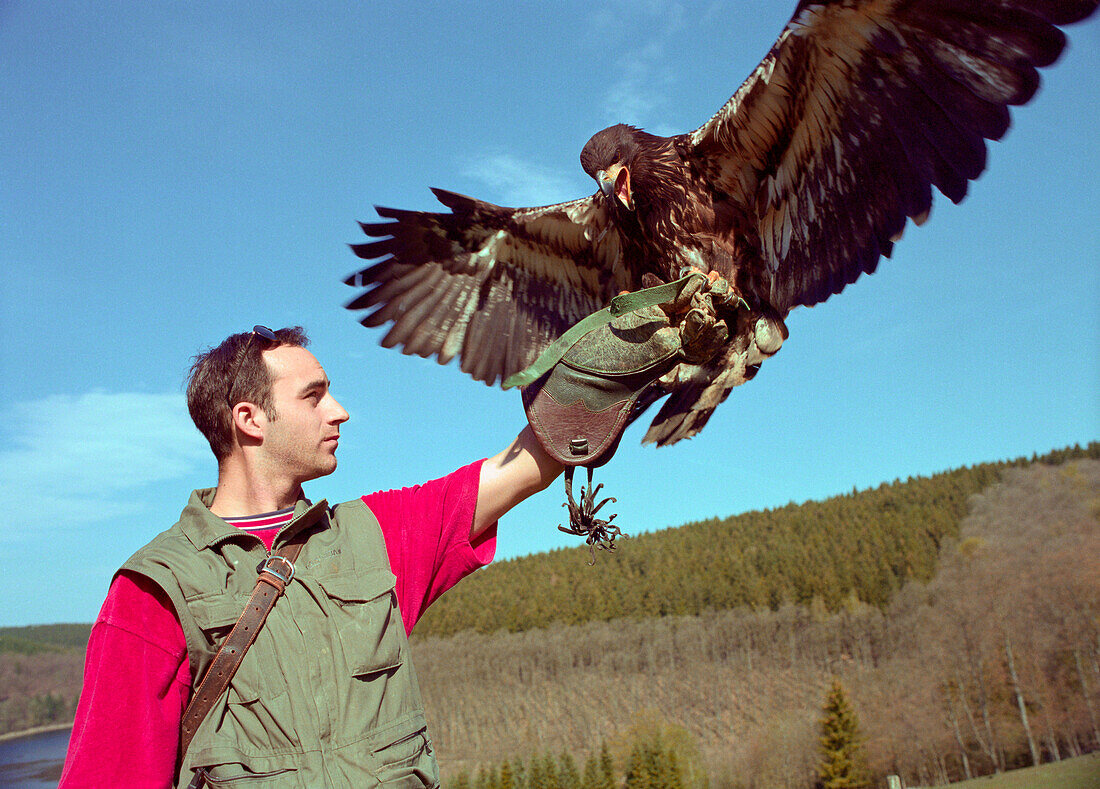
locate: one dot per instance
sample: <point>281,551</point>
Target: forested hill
<point>866,543</point>
<point>44,638</point>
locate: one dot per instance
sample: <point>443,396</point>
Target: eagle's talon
<point>721,291</point>
<point>598,533</point>
<point>690,289</point>
<point>599,506</point>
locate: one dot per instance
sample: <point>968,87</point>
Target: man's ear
<point>250,419</point>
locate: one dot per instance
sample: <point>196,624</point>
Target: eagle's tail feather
<point>690,405</point>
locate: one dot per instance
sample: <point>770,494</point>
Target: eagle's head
<point>626,164</point>
<point>608,157</point>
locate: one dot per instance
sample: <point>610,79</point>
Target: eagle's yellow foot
<point>702,334</point>
<point>722,293</point>
<point>682,302</point>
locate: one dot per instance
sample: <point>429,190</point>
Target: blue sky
<point>174,172</point>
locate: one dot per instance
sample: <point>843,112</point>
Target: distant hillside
<point>44,638</point>
<point>867,543</point>
<point>40,674</point>
<point>993,664</point>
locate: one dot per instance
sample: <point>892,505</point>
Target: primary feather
<point>792,190</point>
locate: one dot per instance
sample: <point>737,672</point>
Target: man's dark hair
<point>236,364</point>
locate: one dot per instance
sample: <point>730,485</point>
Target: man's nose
<point>339,415</point>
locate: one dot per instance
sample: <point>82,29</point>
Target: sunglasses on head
<point>263,333</point>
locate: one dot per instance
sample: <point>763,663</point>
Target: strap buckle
<point>286,571</point>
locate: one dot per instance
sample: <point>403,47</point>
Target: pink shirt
<point>136,675</point>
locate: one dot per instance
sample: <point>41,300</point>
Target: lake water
<point>33,762</point>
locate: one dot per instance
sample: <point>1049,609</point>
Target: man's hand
<point>511,476</point>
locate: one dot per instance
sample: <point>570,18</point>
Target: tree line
<point>646,756</point>
<point>650,758</point>
<point>867,543</point>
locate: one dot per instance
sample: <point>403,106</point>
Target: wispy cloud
<point>644,81</point>
<point>519,183</point>
<point>640,89</point>
<point>69,460</point>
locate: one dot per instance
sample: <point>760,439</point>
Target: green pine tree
<point>483,779</point>
<point>607,768</point>
<point>507,777</point>
<point>519,774</point>
<point>534,774</point>
<point>567,771</point>
<point>843,761</point>
<point>675,779</point>
<point>551,772</point>
<point>592,778</point>
<point>646,769</point>
<point>494,778</point>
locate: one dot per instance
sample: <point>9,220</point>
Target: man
<point>326,696</point>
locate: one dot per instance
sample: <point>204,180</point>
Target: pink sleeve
<point>427,532</point>
<point>136,682</point>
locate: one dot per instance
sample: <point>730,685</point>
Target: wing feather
<point>489,284</point>
<point>860,107</point>
<point>412,329</point>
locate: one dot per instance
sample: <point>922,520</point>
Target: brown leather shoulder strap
<point>276,573</point>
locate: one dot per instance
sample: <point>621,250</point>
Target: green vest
<point>327,695</point>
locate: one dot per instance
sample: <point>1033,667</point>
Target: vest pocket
<point>407,763</point>
<point>262,722</point>
<point>216,614</point>
<point>255,710</point>
<point>239,775</point>
<point>367,606</point>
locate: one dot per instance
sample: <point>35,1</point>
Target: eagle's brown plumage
<point>796,187</point>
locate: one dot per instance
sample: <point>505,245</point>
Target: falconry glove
<point>580,393</point>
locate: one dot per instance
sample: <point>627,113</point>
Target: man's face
<point>301,441</point>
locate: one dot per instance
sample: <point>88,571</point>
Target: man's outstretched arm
<point>510,476</point>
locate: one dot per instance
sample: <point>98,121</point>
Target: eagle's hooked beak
<point>615,180</point>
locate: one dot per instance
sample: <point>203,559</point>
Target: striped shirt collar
<point>265,520</point>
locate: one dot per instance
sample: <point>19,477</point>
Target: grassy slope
<point>1080,773</point>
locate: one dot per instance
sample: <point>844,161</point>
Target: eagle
<point>798,185</point>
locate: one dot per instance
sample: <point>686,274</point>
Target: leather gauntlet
<point>580,394</point>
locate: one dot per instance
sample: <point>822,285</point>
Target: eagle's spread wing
<point>859,108</point>
<point>492,285</point>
